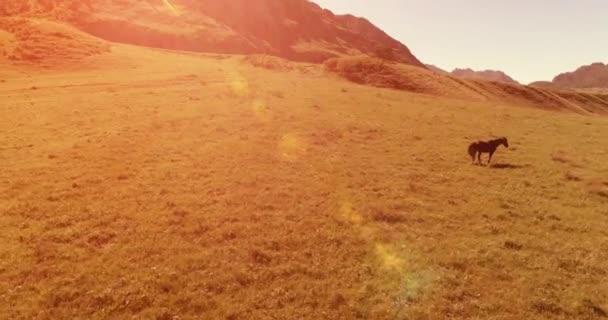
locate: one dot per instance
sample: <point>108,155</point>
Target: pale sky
<point>530,40</point>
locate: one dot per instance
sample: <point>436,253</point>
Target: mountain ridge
<point>298,30</point>
<point>468,73</point>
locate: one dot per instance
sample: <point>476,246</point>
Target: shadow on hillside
<point>504,166</point>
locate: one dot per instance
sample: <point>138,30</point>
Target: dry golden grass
<point>152,185</point>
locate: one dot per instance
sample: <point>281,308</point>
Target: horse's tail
<point>472,149</point>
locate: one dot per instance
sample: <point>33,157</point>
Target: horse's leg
<point>479,157</point>
<point>490,159</point>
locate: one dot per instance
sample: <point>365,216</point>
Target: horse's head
<point>504,142</point>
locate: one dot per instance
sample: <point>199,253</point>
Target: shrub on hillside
<point>268,62</point>
<point>371,71</point>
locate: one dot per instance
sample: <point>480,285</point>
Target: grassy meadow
<point>156,185</point>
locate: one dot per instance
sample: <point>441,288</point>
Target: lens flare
<point>389,257</point>
<point>414,284</point>
<point>261,111</point>
<point>291,146</point>
<point>348,213</point>
<point>238,84</point>
<point>171,7</point>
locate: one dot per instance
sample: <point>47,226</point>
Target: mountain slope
<point>436,69</point>
<point>295,29</point>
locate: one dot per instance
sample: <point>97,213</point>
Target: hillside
<point>585,77</point>
<point>295,29</point>
<point>49,33</point>
<point>383,74</point>
<point>27,41</point>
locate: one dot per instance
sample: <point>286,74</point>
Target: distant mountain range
<point>486,75</point>
<point>585,77</point>
<point>593,76</point>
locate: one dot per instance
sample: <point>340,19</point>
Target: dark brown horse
<point>479,147</point>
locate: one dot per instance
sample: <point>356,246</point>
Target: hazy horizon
<point>528,41</point>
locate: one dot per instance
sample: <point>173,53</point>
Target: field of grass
<point>152,185</point>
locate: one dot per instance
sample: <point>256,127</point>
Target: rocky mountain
<point>487,75</point>
<point>590,76</point>
<point>298,30</point>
